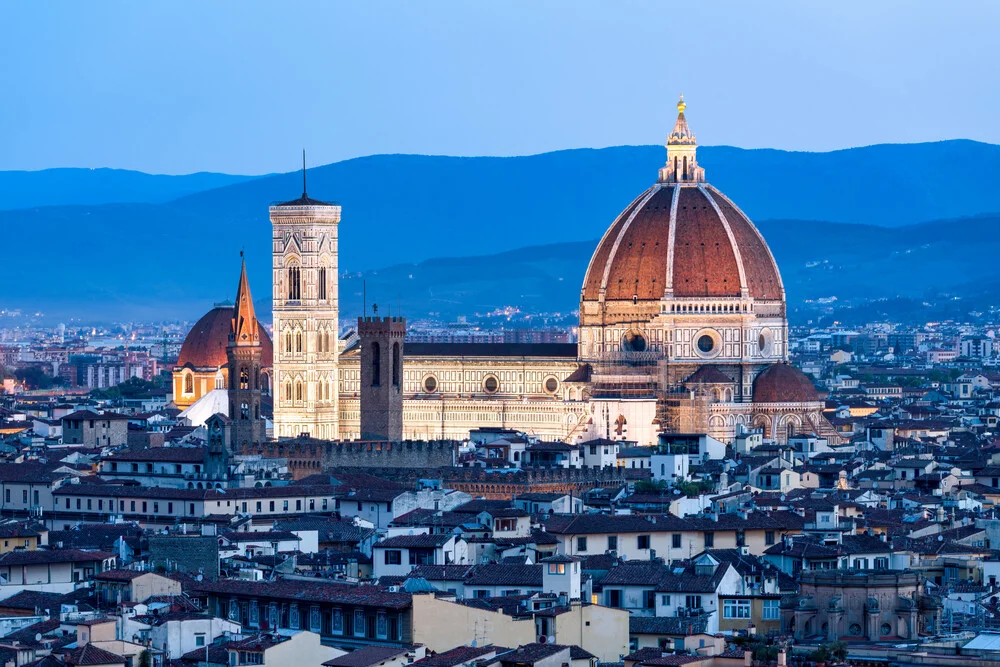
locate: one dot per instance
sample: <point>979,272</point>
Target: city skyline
<point>143,87</point>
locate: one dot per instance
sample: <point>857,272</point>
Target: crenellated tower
<point>244,353</point>
<point>305,308</point>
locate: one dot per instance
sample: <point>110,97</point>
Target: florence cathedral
<point>682,329</point>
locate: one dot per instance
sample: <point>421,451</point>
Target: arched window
<point>288,391</point>
<point>320,341</point>
<point>244,378</point>
<point>294,283</point>
<point>256,411</point>
<point>244,412</point>
<point>298,390</point>
<point>376,365</point>
<point>288,341</point>
<point>188,383</point>
<point>298,340</point>
<point>321,283</point>
<point>396,364</point>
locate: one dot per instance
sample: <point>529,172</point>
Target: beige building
<point>273,650</point>
<point>441,625</point>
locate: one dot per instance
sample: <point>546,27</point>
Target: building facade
<point>305,311</point>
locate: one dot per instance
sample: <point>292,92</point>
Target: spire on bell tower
<point>244,330</point>
<point>682,147</point>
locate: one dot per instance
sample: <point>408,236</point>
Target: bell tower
<point>305,308</point>
<point>244,356</point>
<point>382,377</point>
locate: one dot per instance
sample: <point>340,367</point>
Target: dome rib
<point>669,288</point>
<point>763,277</point>
<point>591,281</point>
<point>704,263</point>
<point>614,248</point>
<point>732,238</point>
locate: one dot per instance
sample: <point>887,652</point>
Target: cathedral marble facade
<point>682,328</point>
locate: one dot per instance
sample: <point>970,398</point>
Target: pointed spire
<point>682,134</point>
<point>682,148</point>
<point>244,330</point>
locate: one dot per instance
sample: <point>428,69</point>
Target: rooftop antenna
<point>304,195</point>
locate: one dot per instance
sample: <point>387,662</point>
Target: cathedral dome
<point>681,238</point>
<point>205,345</point>
<point>783,383</point>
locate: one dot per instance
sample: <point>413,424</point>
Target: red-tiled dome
<point>783,383</point>
<point>709,249</point>
<point>205,345</point>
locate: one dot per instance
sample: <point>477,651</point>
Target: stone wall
<point>307,456</point>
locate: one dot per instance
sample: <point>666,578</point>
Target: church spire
<point>682,148</point>
<point>244,330</point>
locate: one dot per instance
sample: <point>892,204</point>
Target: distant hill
<point>175,258</point>
<point>903,267</point>
<point>59,187</point>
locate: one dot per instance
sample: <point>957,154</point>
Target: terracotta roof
<point>708,374</point>
<point>632,259</point>
<point>783,383</point>
<point>205,345</point>
<point>88,654</point>
<point>457,656</point>
<point>367,656</point>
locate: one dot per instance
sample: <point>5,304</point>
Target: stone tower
<point>244,356</point>
<point>304,252</point>
<point>382,377</point>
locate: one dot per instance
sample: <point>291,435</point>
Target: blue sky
<point>240,87</point>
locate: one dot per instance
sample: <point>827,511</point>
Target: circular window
<point>633,341</point>
<point>764,341</point>
<point>854,630</point>
<point>430,384</point>
<point>707,343</point>
<point>491,384</point>
<point>886,629</point>
<point>551,384</point>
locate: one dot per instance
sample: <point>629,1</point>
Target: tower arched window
<point>188,383</point>
<point>244,412</point>
<point>396,364</point>
<point>244,378</point>
<point>298,340</point>
<point>321,283</point>
<point>376,365</point>
<point>298,390</point>
<point>288,341</point>
<point>288,391</point>
<point>294,283</point>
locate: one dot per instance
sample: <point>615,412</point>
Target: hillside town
<point>134,537</point>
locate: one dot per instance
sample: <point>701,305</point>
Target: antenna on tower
<point>304,173</point>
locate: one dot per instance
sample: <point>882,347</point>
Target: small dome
<point>783,383</point>
<point>205,345</point>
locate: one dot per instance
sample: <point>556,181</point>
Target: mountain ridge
<point>136,259</point>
